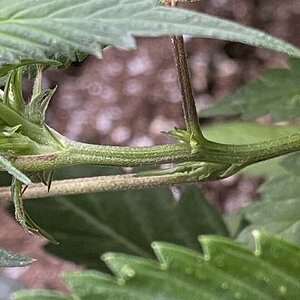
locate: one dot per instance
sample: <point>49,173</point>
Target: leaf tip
<point>257,236</point>
<point>106,257</point>
<point>155,246</point>
<point>204,241</point>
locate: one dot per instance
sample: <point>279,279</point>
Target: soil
<point>131,96</point>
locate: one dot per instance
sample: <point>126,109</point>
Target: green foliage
<point>226,270</point>
<point>89,225</point>
<point>239,132</point>
<point>278,210</point>
<point>276,93</point>
<point>22,127</point>
<point>20,213</point>
<point>57,32</point>
<point>10,259</point>
<point>36,30</point>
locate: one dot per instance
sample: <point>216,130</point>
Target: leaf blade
<point>185,274</point>
<point>276,93</point>
<point>38,29</point>
<point>278,211</point>
<point>9,259</point>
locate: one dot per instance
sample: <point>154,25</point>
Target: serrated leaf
<point>239,132</point>
<point>227,270</point>
<point>278,210</point>
<point>10,259</point>
<point>33,29</point>
<point>277,93</point>
<point>88,225</point>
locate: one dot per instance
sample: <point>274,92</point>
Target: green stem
<point>252,153</point>
<point>79,153</point>
<point>95,184</point>
<point>243,155</point>
<point>76,153</point>
<point>184,78</point>
<point>188,102</point>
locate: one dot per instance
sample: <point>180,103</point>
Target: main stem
<point>243,155</point>
<point>76,153</point>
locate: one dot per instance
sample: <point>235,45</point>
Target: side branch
<point>96,184</point>
<point>188,102</point>
<point>184,78</point>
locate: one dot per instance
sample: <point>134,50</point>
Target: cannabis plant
<point>128,216</point>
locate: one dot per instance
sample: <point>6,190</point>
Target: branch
<point>184,78</point>
<point>221,161</point>
<point>96,184</point>
<point>188,102</point>
<point>79,153</point>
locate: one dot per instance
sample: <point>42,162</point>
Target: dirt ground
<point>131,96</point>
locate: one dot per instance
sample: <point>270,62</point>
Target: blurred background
<point>129,97</point>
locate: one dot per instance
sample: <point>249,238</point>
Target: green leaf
<point>227,270</point>
<point>10,259</point>
<point>278,210</point>
<point>277,93</point>
<point>292,163</point>
<point>31,29</point>
<point>87,226</point>
<point>22,216</point>
<point>239,132</point>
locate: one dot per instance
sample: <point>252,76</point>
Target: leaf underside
<point>41,29</point>
<point>227,270</point>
